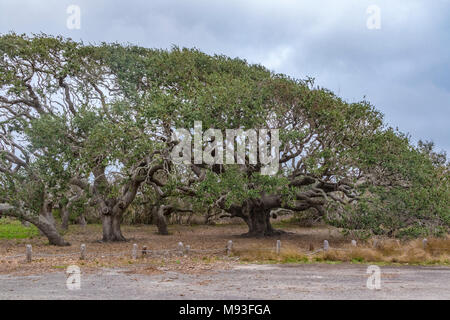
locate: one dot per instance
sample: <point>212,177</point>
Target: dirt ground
<point>252,271</point>
<point>241,282</point>
<point>208,250</point>
<point>207,245</point>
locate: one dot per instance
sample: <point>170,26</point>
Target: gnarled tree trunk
<point>112,212</point>
<point>160,212</point>
<point>111,228</point>
<point>81,220</point>
<point>64,209</point>
<point>112,209</point>
<point>64,217</point>
<point>160,220</point>
<point>256,214</point>
<point>49,230</point>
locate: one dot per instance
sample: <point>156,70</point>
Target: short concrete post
<point>229,247</point>
<point>180,248</point>
<point>83,252</point>
<point>425,244</point>
<point>134,252</point>
<point>187,249</point>
<point>144,251</point>
<point>326,246</point>
<point>353,243</point>
<point>29,251</point>
<point>278,249</point>
<point>375,243</point>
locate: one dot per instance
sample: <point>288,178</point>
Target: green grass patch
<point>13,229</point>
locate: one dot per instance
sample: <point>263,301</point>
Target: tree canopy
<point>99,121</point>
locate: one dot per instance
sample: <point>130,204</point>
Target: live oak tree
<point>407,193</point>
<point>30,186</point>
<point>331,151</point>
<point>99,112</point>
<point>60,93</point>
<point>28,190</point>
<point>101,119</point>
<point>319,132</point>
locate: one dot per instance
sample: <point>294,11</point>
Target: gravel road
<point>319,281</point>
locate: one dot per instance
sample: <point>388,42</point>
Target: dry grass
<point>388,251</point>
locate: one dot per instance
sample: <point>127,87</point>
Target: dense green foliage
<point>92,126</point>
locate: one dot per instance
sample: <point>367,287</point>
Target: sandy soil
<point>322,281</point>
<point>109,272</point>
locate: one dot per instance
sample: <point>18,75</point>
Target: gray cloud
<point>403,68</point>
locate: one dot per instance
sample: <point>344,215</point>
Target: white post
<point>229,247</point>
<point>425,244</point>
<point>353,243</point>
<point>375,243</point>
<point>83,252</point>
<point>326,246</point>
<point>180,248</point>
<point>278,249</point>
<point>134,252</point>
<point>29,251</point>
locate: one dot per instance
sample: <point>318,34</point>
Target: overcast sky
<point>403,67</point>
